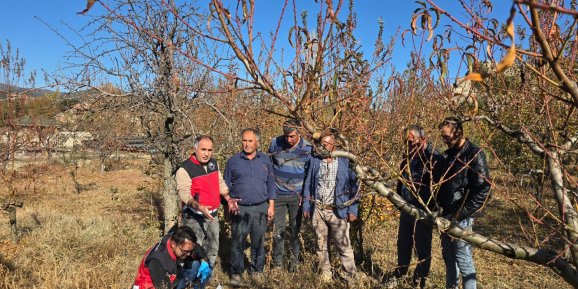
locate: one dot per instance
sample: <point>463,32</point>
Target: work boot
<point>292,268</point>
<point>236,281</point>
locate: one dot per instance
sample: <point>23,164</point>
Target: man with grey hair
<point>331,201</point>
<point>249,176</point>
<point>289,153</point>
<point>200,186</point>
<point>419,169</point>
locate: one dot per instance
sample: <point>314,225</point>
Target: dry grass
<point>96,239</point>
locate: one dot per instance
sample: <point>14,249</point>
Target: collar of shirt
<point>244,156</point>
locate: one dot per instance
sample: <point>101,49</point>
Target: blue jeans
<point>458,258</point>
<point>186,276</point>
<point>251,221</point>
<point>412,235</point>
<point>286,204</point>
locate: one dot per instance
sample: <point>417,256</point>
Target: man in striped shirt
<point>289,153</point>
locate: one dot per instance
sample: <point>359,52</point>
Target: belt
<point>189,212</point>
<point>328,207</point>
<point>256,204</point>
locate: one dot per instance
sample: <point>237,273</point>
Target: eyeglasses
<point>186,252</point>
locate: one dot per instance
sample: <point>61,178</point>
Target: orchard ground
<point>96,238</point>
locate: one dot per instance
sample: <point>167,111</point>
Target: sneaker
<point>236,280</point>
<point>292,268</point>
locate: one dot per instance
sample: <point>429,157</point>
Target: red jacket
<point>162,252</point>
<point>204,183</point>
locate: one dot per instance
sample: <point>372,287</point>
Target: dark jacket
<point>419,172</point>
<point>159,266</point>
<point>345,188</point>
<point>466,184</point>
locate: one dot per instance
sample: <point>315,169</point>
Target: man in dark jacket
<point>420,169</point>
<point>465,189</point>
<point>329,198</point>
<point>174,262</point>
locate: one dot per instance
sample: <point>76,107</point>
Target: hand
<point>205,210</point>
<point>270,212</point>
<point>233,206</point>
<point>306,215</point>
<point>204,271</point>
<point>351,218</point>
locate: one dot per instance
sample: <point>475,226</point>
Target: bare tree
<point>149,54</point>
<point>14,80</point>
<point>330,83</point>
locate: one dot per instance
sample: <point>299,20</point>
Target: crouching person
<point>176,261</point>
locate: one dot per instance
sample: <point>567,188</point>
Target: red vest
<point>162,252</point>
<point>204,183</point>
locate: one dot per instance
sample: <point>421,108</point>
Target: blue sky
<point>44,50</point>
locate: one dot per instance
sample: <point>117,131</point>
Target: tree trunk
<point>567,211</point>
<point>170,198</point>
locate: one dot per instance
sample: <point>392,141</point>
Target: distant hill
<point>36,92</point>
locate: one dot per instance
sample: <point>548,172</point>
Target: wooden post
<point>10,207</point>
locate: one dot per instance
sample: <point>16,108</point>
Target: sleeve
<point>305,172</point>
<point>228,175</point>
<point>271,188</point>
<point>223,188</point>
<point>271,148</point>
<point>353,187</point>
<point>438,166</point>
<point>183,185</point>
<point>478,186</point>
<point>307,187</point>
<point>399,184</point>
<point>159,276</point>
<point>199,253</point>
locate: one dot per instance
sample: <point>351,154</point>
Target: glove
<point>205,271</point>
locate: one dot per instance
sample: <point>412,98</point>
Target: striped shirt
<point>289,164</point>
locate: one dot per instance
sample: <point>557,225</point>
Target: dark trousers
<point>286,204</point>
<point>251,221</point>
<point>413,235</point>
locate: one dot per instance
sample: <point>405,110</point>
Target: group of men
<point>461,178</point>
<point>293,181</point>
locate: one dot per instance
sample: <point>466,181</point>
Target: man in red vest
<point>174,262</point>
<point>200,186</point>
